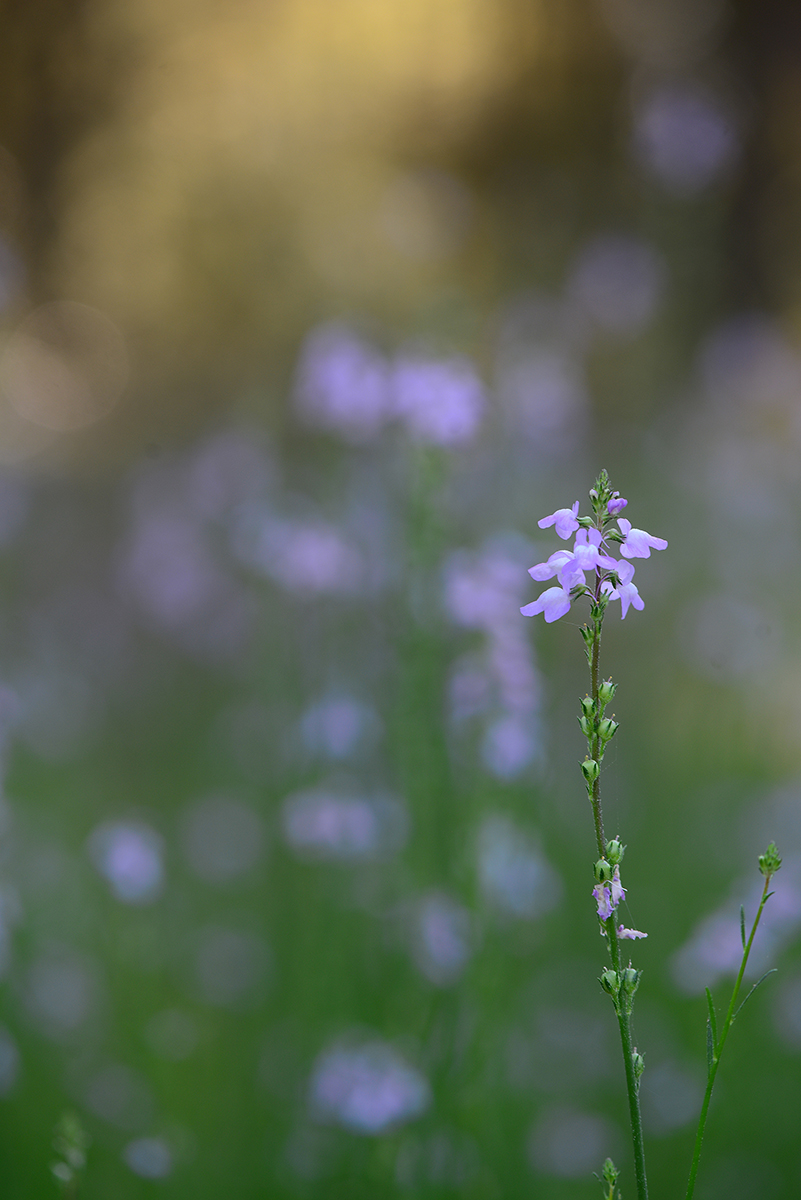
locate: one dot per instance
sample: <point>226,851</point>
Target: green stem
<point>718,1049</point>
<point>623,1003</point>
<point>623,1008</point>
<point>595,747</point>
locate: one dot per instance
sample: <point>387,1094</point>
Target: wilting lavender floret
<point>616,504</point>
<point>629,933</point>
<point>604,901</point>
<point>564,519</point>
<point>608,896</point>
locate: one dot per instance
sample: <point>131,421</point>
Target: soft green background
<point>217,179</point>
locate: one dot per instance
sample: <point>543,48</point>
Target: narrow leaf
<point>742,925</point>
<point>712,1023</point>
<point>710,1047</point>
<point>753,989</point>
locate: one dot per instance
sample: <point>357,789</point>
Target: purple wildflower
<point>626,592</point>
<point>638,543</point>
<point>616,504</point>
<point>603,900</point>
<point>553,604</point>
<point>618,891</point>
<point>564,519</point>
<point>629,933</point>
<point>555,565</point>
<point>588,554</point>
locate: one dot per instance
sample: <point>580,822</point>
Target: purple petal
<point>601,895</point>
<point>630,933</point>
<point>553,604</point>
<point>564,519</point>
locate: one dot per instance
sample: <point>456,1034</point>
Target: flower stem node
<point>770,861</point>
<point>590,770</point>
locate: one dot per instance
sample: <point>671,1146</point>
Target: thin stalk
<point>623,1004</point>
<point>718,1049</point>
<point>624,1023</point>
<point>595,796</point>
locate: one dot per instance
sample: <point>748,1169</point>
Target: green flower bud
<point>770,861</point>
<point>609,1172</point>
<point>586,727</point>
<point>609,982</point>
<point>615,851</point>
<point>638,1062</point>
<point>606,691</point>
<point>607,729</point>
<point>587,707</point>
<point>590,770</point>
<point>629,979</point>
<point>603,871</point>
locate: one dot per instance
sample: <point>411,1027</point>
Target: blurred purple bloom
<point>367,1088</point>
<point>629,933</point>
<point>604,901</point>
<point>342,384</point>
<point>553,604</point>
<point>564,519</point>
<point>637,542</point>
<point>618,891</point>
<point>440,401</point>
<point>685,137</point>
<point>619,282</point>
<point>616,504</point>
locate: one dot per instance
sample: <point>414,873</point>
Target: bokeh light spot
<point>64,366</point>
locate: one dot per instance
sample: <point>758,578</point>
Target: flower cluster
<point>613,577</point>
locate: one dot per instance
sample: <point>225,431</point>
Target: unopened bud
<point>609,982</point>
<point>638,1062</point>
<point>615,851</point>
<point>609,1172</point>
<point>606,691</point>
<point>603,871</point>
<point>770,861</point>
<point>607,729</point>
<point>629,978</point>
<point>586,727</point>
<point>588,707</point>
<point>590,770</point>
